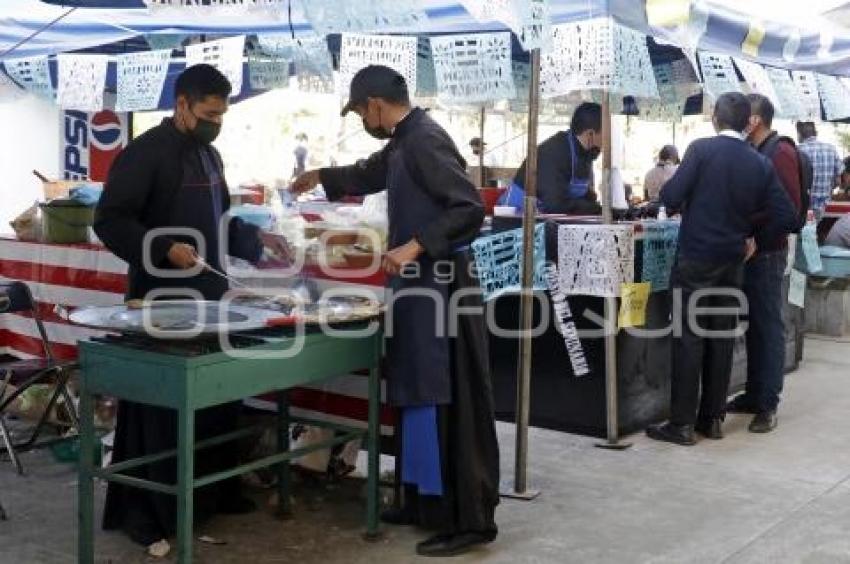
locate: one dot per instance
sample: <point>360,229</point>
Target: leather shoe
<point>741,404</point>
<point>453,545</point>
<point>676,434</point>
<point>764,422</point>
<point>710,428</point>
<point>398,516</point>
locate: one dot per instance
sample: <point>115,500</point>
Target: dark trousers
<point>703,360</point>
<point>766,333</point>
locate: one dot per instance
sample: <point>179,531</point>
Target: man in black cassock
<point>439,378</point>
<point>172,177</point>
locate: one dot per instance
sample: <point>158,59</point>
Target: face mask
<point>206,131</point>
<point>594,151</point>
<point>378,132</point>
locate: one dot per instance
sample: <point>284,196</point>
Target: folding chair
<point>15,297</point>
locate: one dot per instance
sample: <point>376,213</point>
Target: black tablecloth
<point>560,400</point>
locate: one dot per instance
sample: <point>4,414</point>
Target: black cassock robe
<point>165,179</point>
<point>431,199</point>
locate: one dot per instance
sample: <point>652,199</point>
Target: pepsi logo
<point>106,133</point>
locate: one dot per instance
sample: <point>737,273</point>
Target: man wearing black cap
<point>438,367</point>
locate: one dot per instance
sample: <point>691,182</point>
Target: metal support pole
<point>481,176</point>
<point>607,193</point>
<point>185,483</point>
<point>85,479</point>
<point>611,404</point>
<point>282,469</point>
<point>373,444</point>
<point>523,391</point>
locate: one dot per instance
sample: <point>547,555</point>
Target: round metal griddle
<point>175,318</point>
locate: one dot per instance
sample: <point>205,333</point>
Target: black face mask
<point>205,131</point>
<point>378,132</point>
<point>594,153</point>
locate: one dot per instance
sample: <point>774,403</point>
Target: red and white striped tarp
<point>86,275</point>
<point>68,275</point>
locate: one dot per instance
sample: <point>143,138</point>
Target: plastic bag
<point>27,226</point>
<point>87,194</point>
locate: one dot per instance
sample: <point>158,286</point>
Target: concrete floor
<point>778,498</point>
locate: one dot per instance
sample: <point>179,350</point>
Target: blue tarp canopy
<point>725,29</point>
<point>85,28</point>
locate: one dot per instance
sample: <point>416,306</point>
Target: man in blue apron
<point>565,167</point>
<point>172,177</point>
<point>439,377</point>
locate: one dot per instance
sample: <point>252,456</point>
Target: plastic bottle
<point>662,213</point>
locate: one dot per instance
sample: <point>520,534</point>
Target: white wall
<point>29,139</point>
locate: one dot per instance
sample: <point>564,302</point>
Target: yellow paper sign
<point>667,13</point>
<point>633,301</point>
<point>754,39</point>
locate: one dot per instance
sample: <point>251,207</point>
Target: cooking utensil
<point>306,290</point>
<point>206,266</point>
<point>234,281</point>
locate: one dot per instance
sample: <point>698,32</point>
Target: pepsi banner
<point>90,142</point>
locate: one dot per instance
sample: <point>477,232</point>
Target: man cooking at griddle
<point>168,179</point>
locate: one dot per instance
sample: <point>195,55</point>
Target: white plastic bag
<point>27,226</point>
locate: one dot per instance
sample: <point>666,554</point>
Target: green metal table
<point>190,383</point>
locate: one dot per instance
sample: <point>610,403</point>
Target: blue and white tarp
<point>720,29</point>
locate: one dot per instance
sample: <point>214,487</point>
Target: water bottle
<point>810,217</point>
<point>662,213</point>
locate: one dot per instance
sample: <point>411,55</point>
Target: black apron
<point>466,428</point>
<point>428,367</point>
<point>418,362</point>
